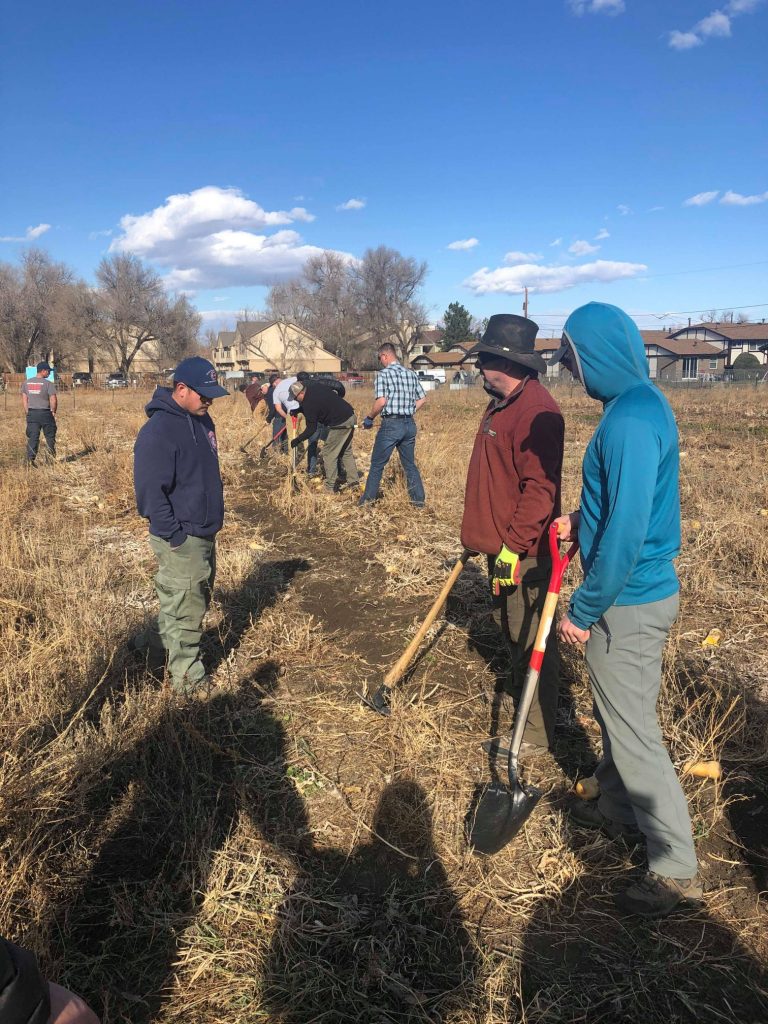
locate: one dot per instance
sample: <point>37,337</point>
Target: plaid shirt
<point>400,387</point>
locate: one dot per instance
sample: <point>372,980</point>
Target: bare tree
<point>34,302</point>
<point>710,316</point>
<point>334,315</point>
<point>130,308</point>
<point>742,318</point>
<point>386,286</point>
<point>178,332</point>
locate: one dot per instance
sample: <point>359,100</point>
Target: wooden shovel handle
<point>396,673</point>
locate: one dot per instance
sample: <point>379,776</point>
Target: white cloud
<point>601,234</point>
<point>702,198</point>
<point>735,199</point>
<point>105,233</point>
<point>582,248</point>
<point>547,279</point>
<point>623,209</point>
<point>684,40</point>
<point>596,6</point>
<point>464,243</point>
<point>655,209</point>
<point>716,25</point>
<point>29,235</point>
<point>216,238</point>
<point>742,6</point>
<point>221,298</point>
<point>522,257</point>
<point>352,204</point>
<point>557,241</point>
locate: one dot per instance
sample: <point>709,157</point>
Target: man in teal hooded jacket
<point>628,526</point>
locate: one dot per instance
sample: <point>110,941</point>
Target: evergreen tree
<point>457,326</point>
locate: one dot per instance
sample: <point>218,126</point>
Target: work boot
<point>656,896</point>
<point>586,814</point>
<point>499,747</point>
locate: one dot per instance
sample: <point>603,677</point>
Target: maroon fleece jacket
<point>513,483</point>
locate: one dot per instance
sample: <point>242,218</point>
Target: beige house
<point>260,345</point>
<point>97,360</point>
<point>731,339</point>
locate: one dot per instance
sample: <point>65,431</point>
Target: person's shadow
<point>583,961</point>
<point>376,935</point>
<point>164,812</point>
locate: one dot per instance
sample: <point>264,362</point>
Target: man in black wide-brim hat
<point>512,496</point>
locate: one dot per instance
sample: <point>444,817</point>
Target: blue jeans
<point>277,425</point>
<point>321,434</point>
<point>395,432</point>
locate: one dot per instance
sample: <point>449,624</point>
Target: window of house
<point>713,364</point>
<point>754,346</point>
<point>690,368</point>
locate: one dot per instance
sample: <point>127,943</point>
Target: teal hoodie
<point>630,505</point>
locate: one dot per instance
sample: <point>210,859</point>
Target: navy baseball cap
<point>201,376</point>
<point>43,366</point>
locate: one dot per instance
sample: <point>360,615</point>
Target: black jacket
<point>23,992</point>
<point>176,472</point>
<point>321,404</point>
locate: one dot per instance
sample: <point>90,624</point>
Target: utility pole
<point>525,305</point>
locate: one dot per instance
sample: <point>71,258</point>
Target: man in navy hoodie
<point>179,490</point>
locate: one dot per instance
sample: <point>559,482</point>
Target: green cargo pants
<point>337,450</point>
<point>518,615</point>
<point>638,784</point>
<point>183,584</point>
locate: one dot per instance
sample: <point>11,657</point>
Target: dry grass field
<point>275,852</point>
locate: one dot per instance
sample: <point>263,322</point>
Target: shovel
<point>501,810</point>
<point>379,702</point>
<point>265,449</point>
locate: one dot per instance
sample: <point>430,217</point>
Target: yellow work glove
<point>506,571</point>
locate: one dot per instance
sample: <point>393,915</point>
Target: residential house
<point>261,345</point>
<point>732,339</point>
<point>674,358</point>
<point>428,339</point>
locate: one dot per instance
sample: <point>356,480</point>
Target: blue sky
<point>502,126</point>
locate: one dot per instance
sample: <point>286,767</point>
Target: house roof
<point>547,344</point>
<point>682,346</point>
<point>247,328</point>
<point>440,358</point>
<point>225,338</point>
<point>431,337</point>
<point>732,332</point>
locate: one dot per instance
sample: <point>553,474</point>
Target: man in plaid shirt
<point>397,396</point>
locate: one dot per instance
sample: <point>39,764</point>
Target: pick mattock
<point>380,701</point>
<point>503,810</point>
<point>265,449</point>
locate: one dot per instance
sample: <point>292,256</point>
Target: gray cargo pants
<point>638,784</point>
<point>184,581</point>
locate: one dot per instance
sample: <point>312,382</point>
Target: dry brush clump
<point>271,851</point>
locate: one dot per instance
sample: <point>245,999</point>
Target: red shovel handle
<point>559,563</point>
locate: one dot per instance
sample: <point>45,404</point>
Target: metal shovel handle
<point>559,564</point>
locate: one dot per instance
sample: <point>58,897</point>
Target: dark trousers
<point>395,432</point>
<point>37,420</point>
<point>518,615</point>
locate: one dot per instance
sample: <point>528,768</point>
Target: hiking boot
<point>586,814</point>
<point>499,747</point>
<point>656,896</point>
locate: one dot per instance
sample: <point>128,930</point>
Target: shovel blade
<point>379,702</point>
<point>499,815</point>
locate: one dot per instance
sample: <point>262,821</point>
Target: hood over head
<point>609,349</point>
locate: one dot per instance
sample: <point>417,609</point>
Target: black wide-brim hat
<point>512,337</point>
